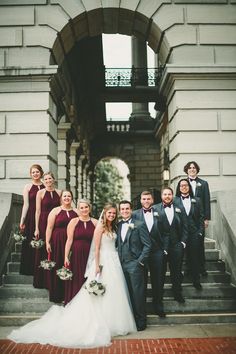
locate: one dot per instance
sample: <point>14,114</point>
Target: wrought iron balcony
<point>132,77</point>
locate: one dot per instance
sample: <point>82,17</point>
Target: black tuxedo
<point>203,193</point>
<point>133,253</point>
<point>195,235</point>
<point>157,259</point>
<point>174,234</point>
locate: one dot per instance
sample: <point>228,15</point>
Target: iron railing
<point>126,77</point>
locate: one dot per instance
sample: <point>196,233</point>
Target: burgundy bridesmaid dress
<point>83,236</point>
<point>58,241</point>
<point>49,201</point>
<point>27,252</point>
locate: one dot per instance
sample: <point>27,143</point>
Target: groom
<point>134,245</point>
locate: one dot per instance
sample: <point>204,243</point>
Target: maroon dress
<point>79,256</point>
<point>49,201</point>
<point>27,252</point>
<point>58,241</point>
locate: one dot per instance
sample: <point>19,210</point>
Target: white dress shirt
<point>170,213</point>
<point>148,219</point>
<point>187,204</point>
<point>193,185</point>
<point>124,229</point>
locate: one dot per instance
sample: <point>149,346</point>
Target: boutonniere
<point>177,210</point>
<point>155,213</point>
<point>193,200</point>
<point>131,226</point>
<point>199,184</point>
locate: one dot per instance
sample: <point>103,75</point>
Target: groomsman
<point>193,208</point>
<point>134,245</point>
<point>157,259</point>
<point>201,190</point>
<point>173,225</point>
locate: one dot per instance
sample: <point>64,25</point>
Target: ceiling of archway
<point>105,20</point>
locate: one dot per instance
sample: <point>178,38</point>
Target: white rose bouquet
<point>18,236</point>
<point>47,264</point>
<point>64,273</point>
<point>37,243</point>
<point>95,287</point>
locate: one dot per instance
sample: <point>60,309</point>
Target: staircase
<point>20,302</point>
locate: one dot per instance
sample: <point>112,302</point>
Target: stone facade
<point>195,42</point>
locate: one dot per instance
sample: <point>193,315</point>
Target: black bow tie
<point>192,179</point>
<point>184,197</point>
<point>147,210</point>
<point>167,205</point>
<point>125,221</point>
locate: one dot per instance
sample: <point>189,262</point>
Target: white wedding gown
<point>88,320</point>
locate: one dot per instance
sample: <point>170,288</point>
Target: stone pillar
<point>63,155</point>
<point>201,103</point>
<point>140,111</point>
<point>28,122</point>
<point>74,170</point>
<point>80,176</point>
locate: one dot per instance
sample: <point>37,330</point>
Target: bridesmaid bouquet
<point>37,243</point>
<point>18,237</point>
<point>47,264</point>
<point>64,273</point>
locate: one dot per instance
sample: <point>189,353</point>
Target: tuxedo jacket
<point>137,243</point>
<point>177,231</point>
<point>195,217</point>
<point>157,238</point>
<point>202,191</point>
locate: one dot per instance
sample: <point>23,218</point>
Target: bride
<point>88,320</point>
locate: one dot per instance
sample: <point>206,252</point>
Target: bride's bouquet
<point>37,243</point>
<point>47,264</point>
<point>65,273</point>
<point>95,287</point>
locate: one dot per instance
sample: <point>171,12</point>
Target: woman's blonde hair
<point>50,174</point>
<point>85,201</point>
<point>108,206</point>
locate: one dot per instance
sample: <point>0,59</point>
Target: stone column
<point>28,121</point>
<point>74,170</point>
<point>140,111</point>
<point>63,154</point>
<point>201,105</point>
<point>80,176</point>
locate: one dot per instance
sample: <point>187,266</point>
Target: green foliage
<point>108,184</point>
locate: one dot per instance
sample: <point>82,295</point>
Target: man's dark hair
<point>178,193</point>
<point>187,166</point>
<point>125,202</point>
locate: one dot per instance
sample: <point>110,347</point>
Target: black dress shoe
<point>197,285</point>
<point>141,328</point>
<point>161,314</point>
<point>204,273</point>
<point>180,299</point>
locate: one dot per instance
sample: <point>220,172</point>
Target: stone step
<point>191,318</point>
<point>193,305</point>
<point>27,306</point>
<point>208,291</point>
<point>22,291</point>
<point>16,278</point>
<point>15,257</point>
<point>212,277</point>
<point>20,319</point>
<point>211,265</point>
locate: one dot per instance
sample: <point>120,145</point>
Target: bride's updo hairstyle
<point>103,219</point>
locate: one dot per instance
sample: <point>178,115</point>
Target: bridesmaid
<point>46,199</point>
<point>58,220</point>
<point>27,220</point>
<point>79,237</point>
